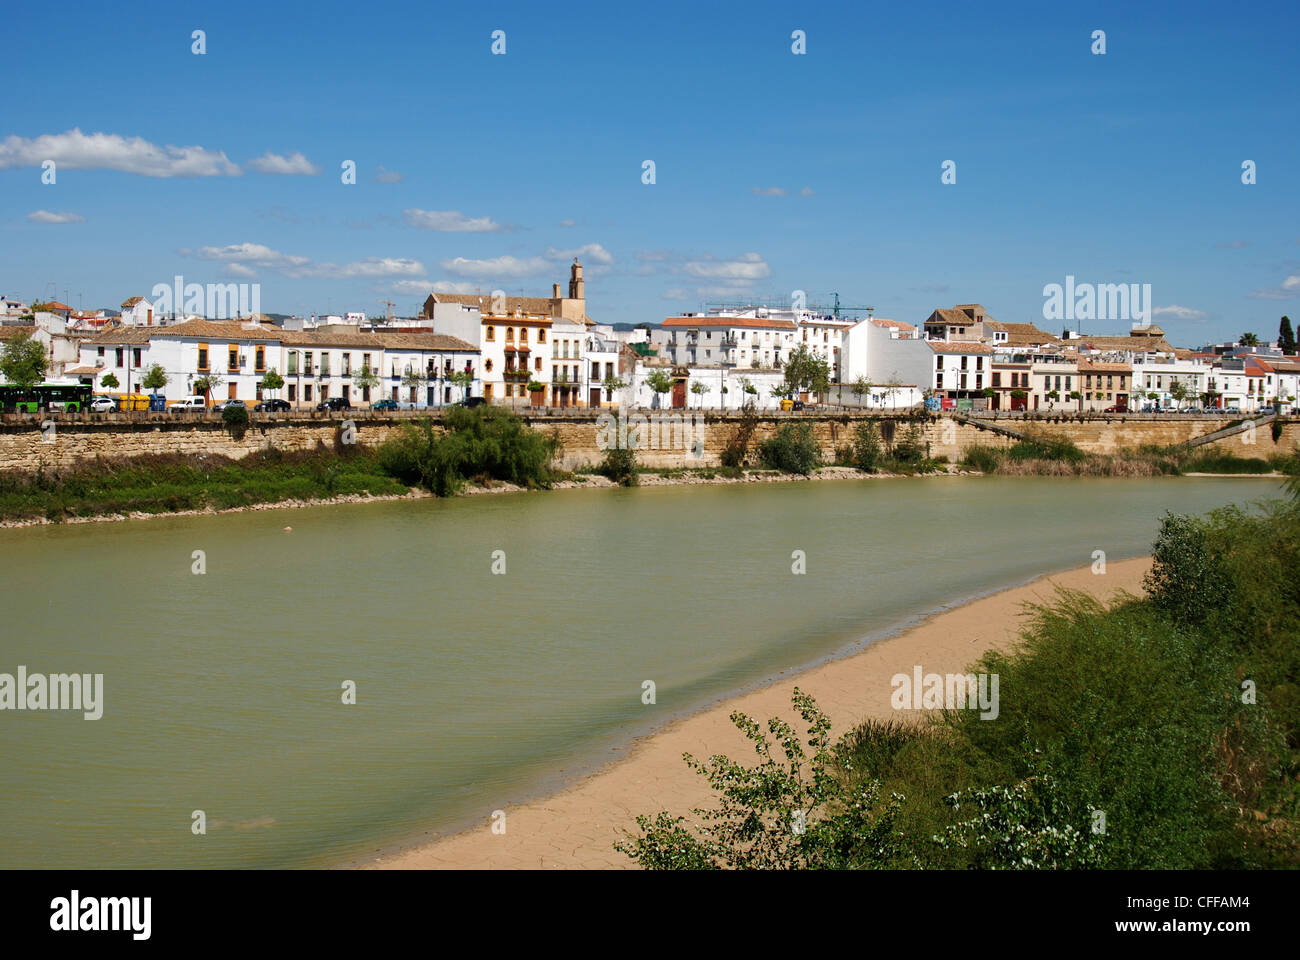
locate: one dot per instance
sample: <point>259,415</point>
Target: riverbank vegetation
<point>1161,732</point>
<point>169,483</point>
<point>1050,456</point>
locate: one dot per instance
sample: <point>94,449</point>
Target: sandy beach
<point>577,827</point>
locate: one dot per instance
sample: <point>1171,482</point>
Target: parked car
<point>273,406</point>
<point>1116,408</point>
<point>473,401</point>
<point>384,405</point>
<point>189,405</point>
<point>797,405</point>
<point>224,405</point>
<point>334,403</point>
<point>102,405</point>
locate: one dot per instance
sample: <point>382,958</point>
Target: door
<point>230,390</point>
<point>679,394</point>
<point>593,399</point>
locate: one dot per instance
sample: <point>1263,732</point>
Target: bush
<point>1186,579</point>
<point>1047,448</point>
<point>478,442</point>
<point>982,458</point>
<point>235,420</point>
<point>867,450</point>
<point>911,449</point>
<point>736,450</point>
<point>792,449</point>
<point>620,466</point>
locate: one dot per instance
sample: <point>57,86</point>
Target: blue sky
<point>774,171</point>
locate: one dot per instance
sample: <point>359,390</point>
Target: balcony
<point>517,373</point>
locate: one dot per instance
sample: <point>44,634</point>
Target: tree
<point>24,361</point>
<point>1248,339</point>
<point>894,383</point>
<point>155,379</point>
<point>460,378</point>
<point>699,389</point>
<point>1076,396</point>
<point>1286,335</point>
<point>660,381</point>
<point>1178,391</point>
<point>611,383</point>
<point>1053,396</point>
<point>109,381</point>
<point>208,384</point>
<point>413,379</point>
<point>861,387</point>
<point>805,370</point>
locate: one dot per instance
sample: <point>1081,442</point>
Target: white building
<point>137,311</point>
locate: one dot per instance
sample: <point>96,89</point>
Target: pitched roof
<point>484,302</point>
<point>959,346</point>
<point>1022,334</point>
<point>377,341</point>
<point>1098,366</point>
<point>9,332</point>
<point>762,323</point>
<point>131,302</point>
<point>891,324</point>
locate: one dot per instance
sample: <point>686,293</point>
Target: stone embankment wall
<point>667,442</point>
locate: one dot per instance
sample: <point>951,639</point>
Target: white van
<point>195,402</point>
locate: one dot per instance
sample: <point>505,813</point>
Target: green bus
<point>45,397</point>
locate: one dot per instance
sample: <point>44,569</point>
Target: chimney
<point>555,291</point>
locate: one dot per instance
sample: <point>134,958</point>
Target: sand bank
<point>578,826</point>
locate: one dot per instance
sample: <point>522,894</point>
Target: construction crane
<point>835,310</point>
<point>389,304</point>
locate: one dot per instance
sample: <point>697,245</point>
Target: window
<point>523,335</point>
<point>306,364</point>
<point>135,356</point>
<point>293,391</point>
<point>347,364</point>
<point>324,367</point>
<point>997,379</point>
<point>259,358</point>
<point>293,361</point>
<point>101,351</point>
<point>203,358</point>
<point>232,358</point>
<point>365,363</point>
<point>541,336</point>
<point>487,364</point>
<point>510,334</point>
<point>539,363</point>
<point>491,333</point>
<point>118,354</point>
<point>306,392</point>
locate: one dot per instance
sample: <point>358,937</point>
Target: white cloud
<point>747,267</point>
<point>567,223</point>
<point>388,176</point>
<point>75,150</point>
<point>256,253</point>
<point>590,251</point>
<point>497,267</point>
<point>806,192</point>
<point>449,221</point>
<point>296,267</point>
<point>1178,313</point>
<point>239,270</point>
<point>294,165</point>
<point>45,216</point>
<point>767,191</point>
<point>1289,290</point>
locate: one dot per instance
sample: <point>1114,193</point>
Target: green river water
<point>222,691</point>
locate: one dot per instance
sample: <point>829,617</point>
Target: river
<point>223,690</point>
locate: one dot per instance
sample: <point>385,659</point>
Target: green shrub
<point>792,449</point>
<point>1046,448</point>
<point>1187,580</point>
<point>478,442</point>
<point>235,420</point>
<point>867,450</point>
<point>620,466</point>
<point>982,458</point>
